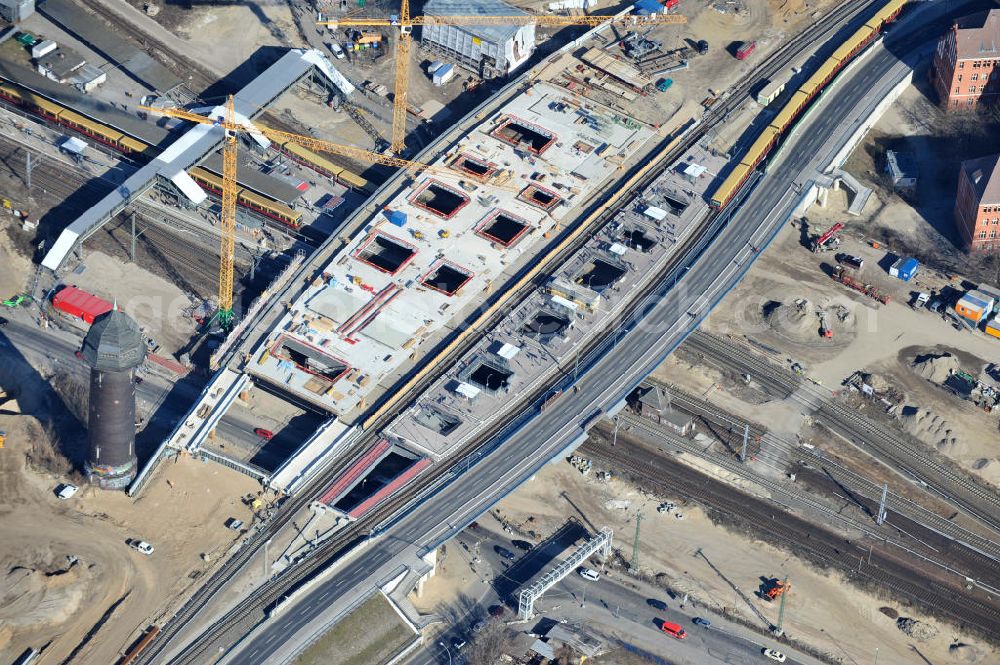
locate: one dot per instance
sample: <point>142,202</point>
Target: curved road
<point>670,316</point>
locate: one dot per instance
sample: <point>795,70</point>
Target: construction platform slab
<point>437,247</point>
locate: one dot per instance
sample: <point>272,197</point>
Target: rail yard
<point>316,337</point>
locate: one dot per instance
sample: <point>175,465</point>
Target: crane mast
<point>227,253</point>
<point>404,43</point>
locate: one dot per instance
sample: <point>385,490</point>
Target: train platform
<point>191,148</point>
<point>251,178</point>
<point>381,471</point>
<point>86,105</point>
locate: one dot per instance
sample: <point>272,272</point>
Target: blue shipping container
<point>904,269</point>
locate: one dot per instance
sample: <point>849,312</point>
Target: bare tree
<point>489,644</point>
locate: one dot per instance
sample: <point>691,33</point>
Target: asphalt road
<point>594,607</point>
<point>671,315</point>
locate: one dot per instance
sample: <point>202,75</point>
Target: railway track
<point>904,528</point>
<point>857,483</point>
<point>243,614</point>
<point>860,561</point>
<point>903,452</point>
<point>191,71</point>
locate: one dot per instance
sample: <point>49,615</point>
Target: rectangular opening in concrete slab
<point>383,473</point>
<point>676,204</point>
<point>524,135</point>
<point>437,420</point>
<point>636,238</point>
<point>446,277</point>
<point>385,253</point>
<point>545,199</point>
<point>309,359</point>
<point>440,199</point>
<point>502,227</point>
<point>479,168</point>
<point>490,377</point>
<point>545,324</point>
<point>598,275</point>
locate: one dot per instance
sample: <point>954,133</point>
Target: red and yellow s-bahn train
<point>800,100</point>
<point>137,149</point>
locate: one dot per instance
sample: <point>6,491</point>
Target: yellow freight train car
<point>310,159</point>
<point>790,111</point>
<point>731,185</point>
<point>815,84</point>
<point>264,206</point>
<point>801,98</point>
<point>761,147</point>
<point>354,181</point>
<point>885,15</point>
<point>855,43</point>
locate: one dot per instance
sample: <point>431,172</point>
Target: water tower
<point>113,348</point>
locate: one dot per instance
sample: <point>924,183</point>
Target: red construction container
<point>745,49</point>
<point>80,304</point>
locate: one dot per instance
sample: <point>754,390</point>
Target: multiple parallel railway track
<point>864,560</point>
<point>885,442</point>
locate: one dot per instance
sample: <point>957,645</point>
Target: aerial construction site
<point>498,332</point>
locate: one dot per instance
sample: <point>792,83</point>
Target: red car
<point>265,434</point>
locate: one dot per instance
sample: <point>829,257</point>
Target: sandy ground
<point>224,36</point>
<point>16,271</point>
<point>822,610</point>
<point>157,305</point>
<point>181,513</point>
<point>921,223</point>
<point>870,339</point>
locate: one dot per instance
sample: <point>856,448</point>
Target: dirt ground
<point>922,223</point>
<point>95,607</point>
<point>763,309</point>
<point>157,305</point>
<point>823,610</point>
<point>239,28</point>
<point>16,268</point>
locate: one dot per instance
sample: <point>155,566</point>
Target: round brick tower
<point>113,348</point>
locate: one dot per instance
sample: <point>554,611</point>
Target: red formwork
<point>390,488</point>
<point>454,266</point>
<point>440,185</point>
<point>344,481</point>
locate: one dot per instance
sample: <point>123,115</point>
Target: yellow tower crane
<point>405,24</point>
<point>227,220</point>
<point>230,188</point>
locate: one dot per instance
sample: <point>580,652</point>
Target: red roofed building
<point>966,68</point>
<point>977,204</point>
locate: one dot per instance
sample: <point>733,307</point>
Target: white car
<point>338,52</point>
<point>141,546</point>
<point>66,491</point>
<point>774,655</point>
<point>589,574</point>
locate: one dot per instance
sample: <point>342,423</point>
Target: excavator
<point>775,588</point>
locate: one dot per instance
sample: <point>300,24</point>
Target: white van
<point>337,51</point>
<point>590,574</point>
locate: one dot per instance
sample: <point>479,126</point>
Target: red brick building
<point>977,204</point>
<point>966,68</point>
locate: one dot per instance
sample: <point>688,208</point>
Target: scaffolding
<point>530,594</point>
